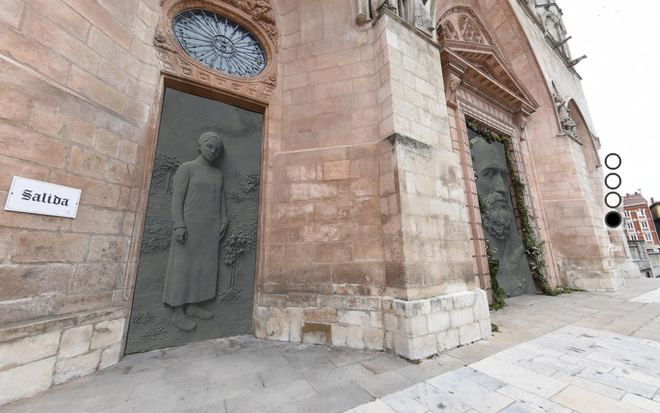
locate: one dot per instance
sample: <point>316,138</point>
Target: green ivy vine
<point>533,247</point>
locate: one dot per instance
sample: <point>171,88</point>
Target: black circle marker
<point>613,194</point>
<point>613,161</point>
<point>613,219</point>
<point>612,177</point>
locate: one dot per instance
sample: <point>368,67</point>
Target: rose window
<point>219,43</point>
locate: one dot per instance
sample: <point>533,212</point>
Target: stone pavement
<point>583,352</point>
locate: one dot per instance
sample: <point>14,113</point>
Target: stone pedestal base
<point>413,329</point>
<point>420,328</point>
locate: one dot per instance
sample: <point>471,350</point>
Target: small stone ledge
<point>39,355</point>
<point>30,328</point>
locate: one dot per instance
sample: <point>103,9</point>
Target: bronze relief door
<point>498,216</point>
<point>195,277</point>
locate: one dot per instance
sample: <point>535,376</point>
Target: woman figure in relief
<point>200,220</point>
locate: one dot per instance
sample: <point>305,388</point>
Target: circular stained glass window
<point>219,43</point>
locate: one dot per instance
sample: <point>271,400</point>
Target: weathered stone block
<point>363,303</point>
<point>101,276</point>
<point>72,368</point>
<point>416,348</point>
<point>33,280</point>
<point>376,319</point>
<point>354,337</point>
<point>49,247</point>
<point>448,339</point>
<point>486,328</point>
<point>368,251</point>
<point>296,317</point>
<point>76,341</point>
<point>481,310</point>
<point>469,333</point>
<point>47,119</point>
<point>316,333</point>
<point>261,315</point>
<point>338,335</point>
<point>301,300</point>
<point>80,131</point>
<point>29,349</point>
<point>119,173</point>
<point>15,106</point>
<point>273,300</point>
<point>95,193</point>
<point>462,317</point>
<point>320,316</point>
<point>391,322</point>
<point>107,333</point>
<point>111,355</point>
<point>107,143</point>
<point>438,322</point>
<point>98,221</point>
<point>277,326</point>
<point>87,163</point>
<point>81,302</point>
<point>332,301</point>
<point>374,338</point>
<point>15,311</point>
<point>336,170</point>
<point>108,249</point>
<point>25,381</point>
<point>415,326</point>
<point>355,318</point>
<point>352,273</point>
<point>464,299</point>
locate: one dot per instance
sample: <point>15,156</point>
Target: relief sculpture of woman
<point>199,215</point>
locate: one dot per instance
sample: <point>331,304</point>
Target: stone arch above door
<point>255,16</point>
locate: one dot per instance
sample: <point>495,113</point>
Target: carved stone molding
<point>452,84</point>
<point>468,23</point>
<point>520,121</point>
<point>254,15</point>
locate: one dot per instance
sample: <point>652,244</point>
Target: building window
<point>219,43</point>
<point>630,225</point>
<point>648,237</point>
<point>645,225</point>
<point>633,237</point>
<point>641,213</point>
<point>626,214</point>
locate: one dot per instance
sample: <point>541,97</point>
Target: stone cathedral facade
<point>369,161</point>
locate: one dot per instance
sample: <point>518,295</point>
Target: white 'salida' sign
<point>37,197</point>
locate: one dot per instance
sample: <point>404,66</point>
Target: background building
<point>367,228</point>
<point>638,220</point>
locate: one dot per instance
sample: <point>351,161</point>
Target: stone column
<point>433,302</point>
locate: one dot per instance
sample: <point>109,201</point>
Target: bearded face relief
<point>493,180</point>
<point>498,217</point>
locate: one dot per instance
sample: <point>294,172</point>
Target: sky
<point>621,82</point>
